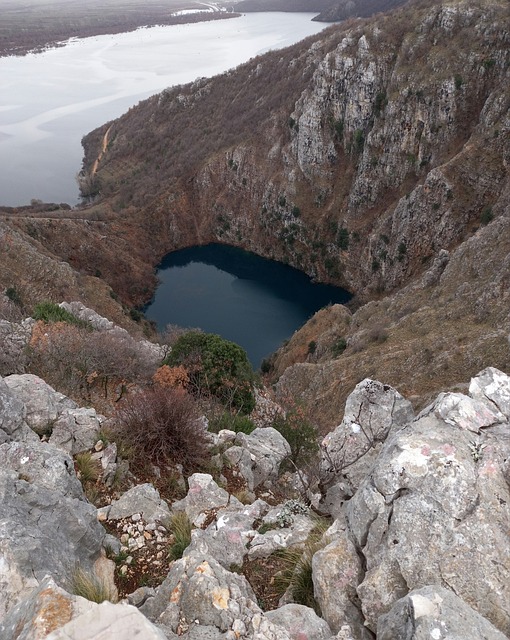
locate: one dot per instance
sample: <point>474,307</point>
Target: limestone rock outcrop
<point>258,455</point>
<point>418,547</point>
<point>204,495</point>
<point>199,591</point>
<point>43,404</point>
<point>143,499</point>
<point>13,412</point>
<point>436,613</point>
<point>47,527</point>
<point>302,623</point>
<point>435,509</point>
<point>348,452</point>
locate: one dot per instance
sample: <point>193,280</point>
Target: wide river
<point>50,100</point>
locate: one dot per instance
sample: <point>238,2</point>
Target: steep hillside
<point>360,8</point>
<point>356,158</point>
<point>30,273</point>
<point>330,10</point>
<point>361,156</point>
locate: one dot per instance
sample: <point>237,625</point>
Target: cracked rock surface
<point>435,509</point>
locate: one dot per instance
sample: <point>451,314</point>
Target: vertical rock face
<point>12,416</point>
<point>360,171</point>
<point>348,452</point>
<point>337,570</point>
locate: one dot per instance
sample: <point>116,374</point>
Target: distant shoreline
<point>31,39</point>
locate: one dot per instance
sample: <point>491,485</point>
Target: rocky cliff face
<point>356,158</point>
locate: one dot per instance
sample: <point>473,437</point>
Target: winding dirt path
<point>104,145</point>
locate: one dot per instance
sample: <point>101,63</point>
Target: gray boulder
<point>464,412</point>
<point>12,417</point>
<point>199,592</point>
<point>435,509</point>
<point>106,621</point>
<point>76,430</point>
<point>433,613</point>
<point>259,455</point>
<point>203,496</point>
<point>491,386</point>
<point>43,404</point>
<point>348,452</point>
<point>44,610</point>
<point>301,623</point>
<point>291,525</point>
<point>227,538</point>
<point>46,525</point>
<point>336,572</point>
<point>143,499</point>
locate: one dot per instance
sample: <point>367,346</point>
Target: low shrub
<point>91,587</point>
<point>487,216</point>
<point>13,295</point>
<point>215,367</point>
<point>74,360</point>
<point>233,422</point>
<point>377,334</point>
<point>50,312</point>
<point>338,347</point>
<point>162,426</point>
<point>180,526</point>
<point>87,469</point>
<point>167,376</point>
<point>299,433</point>
<point>296,575</point>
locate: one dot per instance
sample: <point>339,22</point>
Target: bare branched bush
<point>162,426</point>
<point>74,359</point>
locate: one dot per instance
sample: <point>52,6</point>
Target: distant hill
<point>343,9</point>
<point>329,10</point>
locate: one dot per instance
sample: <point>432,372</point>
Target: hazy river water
<point>49,101</point>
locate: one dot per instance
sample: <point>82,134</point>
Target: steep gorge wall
<point>390,132</point>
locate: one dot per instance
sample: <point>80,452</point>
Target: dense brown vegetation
<point>161,427</point>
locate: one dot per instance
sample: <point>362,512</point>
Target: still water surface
<point>50,100</point>
<point>254,302</point>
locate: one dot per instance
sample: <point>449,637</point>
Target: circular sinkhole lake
<point>254,302</point>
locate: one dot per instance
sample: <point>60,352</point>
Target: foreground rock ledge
<point>418,548</point>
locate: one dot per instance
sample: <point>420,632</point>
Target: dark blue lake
<point>254,302</point>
